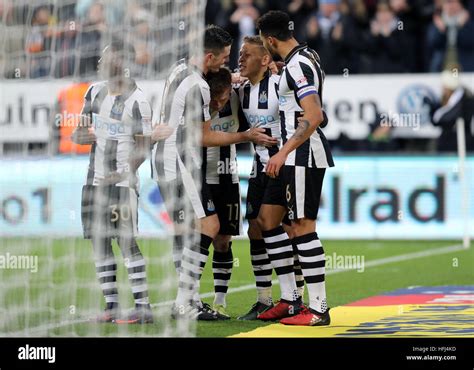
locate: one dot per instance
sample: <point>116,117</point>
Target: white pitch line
<point>243,288</point>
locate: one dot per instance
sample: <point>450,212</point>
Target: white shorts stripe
<point>191,190</point>
<point>300,190</point>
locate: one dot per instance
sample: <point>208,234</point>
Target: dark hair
<point>125,50</point>
<point>276,24</point>
<point>219,81</point>
<point>216,39</point>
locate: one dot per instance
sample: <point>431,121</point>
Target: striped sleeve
<point>206,99</point>
<point>87,106</point>
<point>302,78</point>
<point>197,104</point>
<point>142,115</point>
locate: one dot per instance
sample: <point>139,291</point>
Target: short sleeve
<point>302,79</point>
<point>142,116</point>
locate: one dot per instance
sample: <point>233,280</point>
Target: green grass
<point>65,289</point>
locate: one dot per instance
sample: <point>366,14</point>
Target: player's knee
<point>210,226</point>
<point>221,243</point>
<point>289,230</point>
<point>303,226</point>
<point>253,231</point>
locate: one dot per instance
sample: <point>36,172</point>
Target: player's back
<point>185,103</point>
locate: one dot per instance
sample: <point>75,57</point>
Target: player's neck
<point>118,87</point>
<point>199,65</point>
<point>258,77</point>
<point>286,47</point>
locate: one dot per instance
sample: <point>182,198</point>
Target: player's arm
<point>303,81</point>
<point>142,115</point>
<point>83,133</point>
<point>219,138</point>
<point>307,124</point>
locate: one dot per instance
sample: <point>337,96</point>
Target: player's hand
<point>274,164</point>
<point>237,79</point>
<point>276,67</point>
<point>161,132</point>
<point>84,121</point>
<point>257,135</point>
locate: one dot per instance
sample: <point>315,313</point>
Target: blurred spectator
<point>65,48</point>
<point>239,21</point>
<point>300,11</point>
<point>456,101</point>
<point>142,41</point>
<point>450,38</point>
<point>90,39</point>
<point>334,34</point>
<point>113,10</point>
<point>387,43</point>
<point>38,42</point>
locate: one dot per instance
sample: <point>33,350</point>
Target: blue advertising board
<point>377,197</point>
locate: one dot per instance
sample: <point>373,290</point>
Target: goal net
<point>49,52</point>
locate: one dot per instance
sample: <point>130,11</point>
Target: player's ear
<point>208,57</point>
<point>271,40</point>
<point>266,60</point>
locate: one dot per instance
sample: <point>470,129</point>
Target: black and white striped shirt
<point>260,106</point>
<point>185,105</point>
<point>220,163</point>
<point>302,76</point>
<point>116,119</point>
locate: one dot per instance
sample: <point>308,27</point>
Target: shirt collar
<point>295,50</point>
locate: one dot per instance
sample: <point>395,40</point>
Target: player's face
<point>218,102</point>
<point>268,44</point>
<point>251,60</point>
<point>110,65</point>
<point>215,62</point>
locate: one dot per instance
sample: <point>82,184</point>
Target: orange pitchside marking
<point>445,312</point>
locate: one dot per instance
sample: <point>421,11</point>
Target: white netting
<point>49,52</point>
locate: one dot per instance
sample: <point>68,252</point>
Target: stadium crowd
<point>50,39</point>
<point>351,36</point>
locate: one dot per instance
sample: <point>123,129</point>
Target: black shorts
<point>181,203</point>
<point>226,198</point>
<point>264,190</point>
<point>109,211</point>
<point>302,191</point>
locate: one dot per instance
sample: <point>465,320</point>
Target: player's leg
<point>261,266</point>
<point>222,263</point>
<point>226,198</point>
<point>93,215</point>
<point>304,192</point>
<point>126,218</point>
<point>196,249</point>
<point>280,252</point>
<point>296,266</point>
